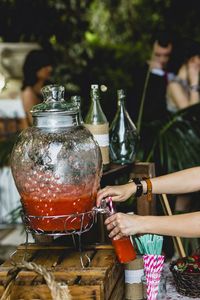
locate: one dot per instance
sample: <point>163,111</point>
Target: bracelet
<point>194,87</point>
<point>149,188</point>
<point>139,187</point>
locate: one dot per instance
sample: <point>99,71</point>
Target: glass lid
<point>54,102</point>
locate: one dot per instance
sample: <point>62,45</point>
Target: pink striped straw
<point>153,265</point>
<point>110,205</point>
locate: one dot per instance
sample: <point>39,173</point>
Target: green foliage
<point>101,41</point>
<point>176,141</point>
<point>96,40</point>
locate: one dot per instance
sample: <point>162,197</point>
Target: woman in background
<point>183,89</point>
<point>37,70</point>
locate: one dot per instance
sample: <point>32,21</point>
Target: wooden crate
<point>103,279</point>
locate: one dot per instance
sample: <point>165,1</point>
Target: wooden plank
<point>72,259</point>
<point>111,279</point>
<point>5,278</point>
<point>93,292</point>
<point>48,257</point>
<point>107,258</point>
<point>18,256</point>
<point>42,292</point>
<point>2,289</point>
<point>91,273</point>
<point>119,290</point>
<point>34,246</point>
<point>103,259</point>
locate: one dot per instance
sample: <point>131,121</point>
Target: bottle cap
<point>94,86</point>
<point>121,93</point>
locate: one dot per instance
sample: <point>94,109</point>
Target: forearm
<point>177,95</point>
<point>194,97</point>
<point>181,182</point>
<point>194,85</point>
<point>171,225</point>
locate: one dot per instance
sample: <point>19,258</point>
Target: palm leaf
<point>175,141</point>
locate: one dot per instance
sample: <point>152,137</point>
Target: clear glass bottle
<point>98,125</point>
<point>56,165</point>
<point>124,249</point>
<point>123,134</point>
<point>77,101</point>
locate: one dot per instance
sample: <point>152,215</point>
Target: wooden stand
<point>102,279</point>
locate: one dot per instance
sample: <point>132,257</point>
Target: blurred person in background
<point>155,95</point>
<point>162,49</point>
<point>183,91</point>
<point>37,70</point>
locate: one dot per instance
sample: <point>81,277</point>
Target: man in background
<point>155,95</point>
<point>162,49</point>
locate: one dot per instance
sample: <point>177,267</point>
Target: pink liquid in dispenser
<point>52,201</point>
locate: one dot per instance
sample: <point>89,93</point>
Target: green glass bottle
<point>98,125</point>
<point>123,134</point>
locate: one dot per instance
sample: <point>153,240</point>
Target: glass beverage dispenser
<point>56,165</point>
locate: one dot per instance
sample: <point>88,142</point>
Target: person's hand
<point>183,73</point>
<point>154,64</point>
<point>120,225</point>
<point>118,193</point>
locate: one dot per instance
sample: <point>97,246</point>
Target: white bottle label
<point>133,276</point>
<point>102,139</point>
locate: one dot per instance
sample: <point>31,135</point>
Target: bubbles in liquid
<point>46,197</point>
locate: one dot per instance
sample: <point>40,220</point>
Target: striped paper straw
<point>153,265</point>
<point>110,205</point>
